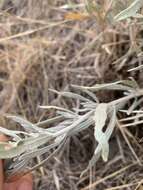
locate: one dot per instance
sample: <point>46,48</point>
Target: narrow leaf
<point>130,11</point>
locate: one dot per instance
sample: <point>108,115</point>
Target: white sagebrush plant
<point>36,141</point>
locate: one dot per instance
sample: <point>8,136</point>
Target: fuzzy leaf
<point>71,95</point>
<point>119,85</point>
<point>28,126</point>
<point>24,145</point>
<point>130,11</point>
<point>108,134</point>
<point>10,133</point>
<point>100,117</point>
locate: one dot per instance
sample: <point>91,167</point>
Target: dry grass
<point>40,49</point>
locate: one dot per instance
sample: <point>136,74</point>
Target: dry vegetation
<point>41,49</point>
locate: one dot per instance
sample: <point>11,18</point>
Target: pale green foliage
<point>131,11</point>
<point>36,141</point>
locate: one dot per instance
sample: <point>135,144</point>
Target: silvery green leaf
<point>108,133</point>
<point>111,124</point>
<point>40,151</point>
<point>60,126</point>
<point>82,126</point>
<point>9,173</point>
<point>77,110</point>
<point>21,162</point>
<point>119,85</point>
<point>35,142</point>
<point>28,126</point>
<point>49,121</point>
<point>3,145</point>
<point>17,169</point>
<point>100,117</point>
<point>12,152</point>
<point>17,166</point>
<point>74,124</point>
<point>67,115</point>
<point>56,108</point>
<point>89,105</point>
<point>10,133</point>
<point>71,95</point>
<point>92,95</point>
<point>130,11</point>
<point>27,144</point>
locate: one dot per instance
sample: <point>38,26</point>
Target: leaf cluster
<point>36,141</point>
